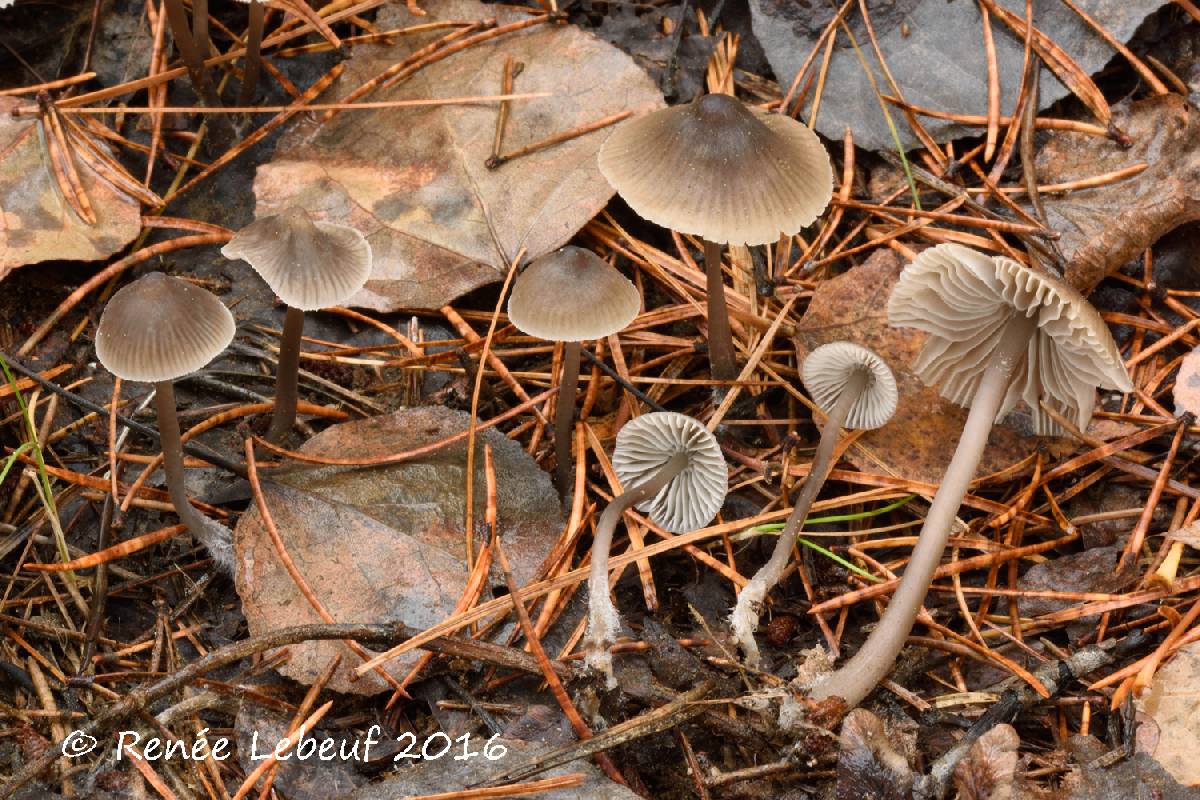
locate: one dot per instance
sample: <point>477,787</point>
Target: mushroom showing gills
<point>998,332</point>
<point>855,389</point>
<point>673,470</point>
<point>726,173</point>
<point>569,296</point>
<point>310,265</point>
<point>155,330</point>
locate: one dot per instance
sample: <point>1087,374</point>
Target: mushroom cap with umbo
<point>964,300</point>
<point>160,328</point>
<point>695,496</point>
<point>572,295</point>
<point>827,370</point>
<point>310,265</point>
<point>718,169</point>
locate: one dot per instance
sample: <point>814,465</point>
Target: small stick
<point>506,87</point>
<point>556,139</point>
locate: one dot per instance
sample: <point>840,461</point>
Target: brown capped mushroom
<point>310,265</point>
<point>570,295</point>
<point>673,470</point>
<point>726,173</point>
<point>155,330</point>
<point>998,332</point>
<point>855,389</point>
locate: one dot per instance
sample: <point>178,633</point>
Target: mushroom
<point>310,265</point>
<point>998,332</point>
<point>193,49</point>
<point>569,296</point>
<point>254,35</point>
<point>855,389</point>
<point>673,470</point>
<point>726,173</point>
<point>155,330</point>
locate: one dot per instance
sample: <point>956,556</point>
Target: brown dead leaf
<point>1105,227</point>
<point>413,179</point>
<point>869,768</point>
<point>36,223</point>
<point>921,437</point>
<point>1174,702</point>
<point>386,543</point>
<point>1090,570</point>
<point>989,772</point>
<point>1187,385</point>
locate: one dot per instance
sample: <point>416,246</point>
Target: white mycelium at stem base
<point>998,332</point>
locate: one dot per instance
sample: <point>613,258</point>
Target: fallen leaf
<point>868,766</point>
<point>1173,700</point>
<point>1105,227</point>
<point>36,224</point>
<point>1090,570</point>
<point>1098,777</point>
<point>385,543</point>
<point>989,772</point>
<point>413,180</point>
<point>1187,385</point>
<point>304,776</point>
<point>935,51</point>
<point>920,439</point>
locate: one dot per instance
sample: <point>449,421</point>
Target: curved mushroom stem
<point>253,70</point>
<point>720,340</point>
<point>215,537</point>
<point>564,417</point>
<point>855,680</point>
<point>287,377</point>
<point>603,620</point>
<point>744,620</point>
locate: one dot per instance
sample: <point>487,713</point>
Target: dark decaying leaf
<point>989,772</point>
<point>299,778</point>
<point>1099,776</point>
<point>1090,570</point>
<point>935,51</point>
<point>385,543</point>
<point>413,180</point>
<point>1105,227</point>
<point>869,768</point>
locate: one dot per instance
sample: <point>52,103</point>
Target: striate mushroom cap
<point>695,496</point>
<point>310,265</point>
<point>718,169</point>
<point>572,295</point>
<point>963,299</point>
<point>830,366</point>
<point>160,328</point>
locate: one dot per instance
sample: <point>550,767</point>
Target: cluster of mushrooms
<point>998,332</point>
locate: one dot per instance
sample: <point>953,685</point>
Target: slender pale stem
<point>254,34</point>
<point>603,621</point>
<point>172,449</point>
<point>722,364</point>
<point>745,614</point>
<point>855,680</point>
<point>564,418</point>
<point>287,377</point>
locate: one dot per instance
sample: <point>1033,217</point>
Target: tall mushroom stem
<point>564,417</point>
<point>603,621</point>
<point>200,26</point>
<point>216,538</point>
<point>855,680</point>
<point>253,70</point>
<point>287,377</point>
<point>194,60</point>
<point>722,364</point>
<point>744,620</point>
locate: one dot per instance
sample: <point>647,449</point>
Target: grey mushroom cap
<point>721,170</point>
<point>160,328</point>
<point>572,295</point>
<point>964,299</point>
<point>697,493</point>
<point>827,370</point>
<point>310,265</point>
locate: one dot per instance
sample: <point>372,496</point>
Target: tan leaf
<point>385,543</point>
<point>1173,700</point>
<point>414,181</point>
<point>36,222</point>
<point>1187,385</point>
<point>989,772</point>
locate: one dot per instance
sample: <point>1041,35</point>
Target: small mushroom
<point>310,265</point>
<point>998,332</point>
<point>673,470</point>
<point>855,389</point>
<point>155,330</point>
<point>726,173</point>
<point>571,295</point>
